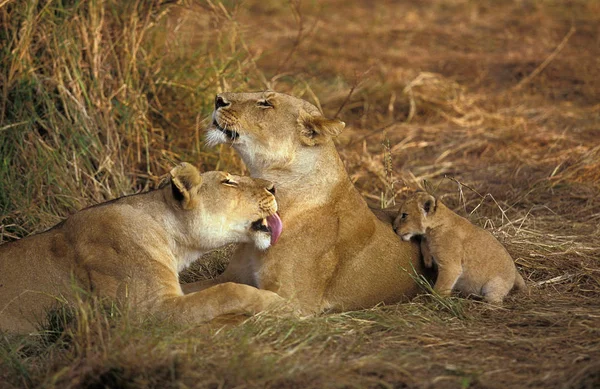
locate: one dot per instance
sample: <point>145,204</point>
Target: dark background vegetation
<point>494,105</point>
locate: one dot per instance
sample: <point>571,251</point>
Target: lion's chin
<point>266,231</point>
<point>230,134</point>
<point>215,137</point>
<point>407,237</point>
<point>261,240</point>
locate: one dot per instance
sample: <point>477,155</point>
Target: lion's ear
<point>428,204</point>
<point>314,130</point>
<point>185,181</point>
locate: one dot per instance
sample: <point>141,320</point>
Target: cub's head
<point>269,129</point>
<point>415,215</point>
<point>217,208</point>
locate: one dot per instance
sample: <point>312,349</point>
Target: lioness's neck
<point>185,250</point>
<point>309,180</point>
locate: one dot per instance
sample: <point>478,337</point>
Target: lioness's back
<point>31,278</point>
<point>41,271</point>
<point>387,267</point>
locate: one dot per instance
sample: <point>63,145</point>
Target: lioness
<point>469,259</point>
<point>334,253</point>
<point>133,248</point>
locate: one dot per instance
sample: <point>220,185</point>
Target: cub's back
<point>483,252</point>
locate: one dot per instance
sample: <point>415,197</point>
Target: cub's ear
<point>314,130</point>
<point>185,181</point>
<point>428,204</point>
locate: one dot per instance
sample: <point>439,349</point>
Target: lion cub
<point>469,259</point>
<point>131,249</point>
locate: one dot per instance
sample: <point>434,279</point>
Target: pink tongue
<point>276,226</point>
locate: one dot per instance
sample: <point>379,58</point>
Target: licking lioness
<point>132,249</point>
<point>334,253</point>
<point>469,259</point>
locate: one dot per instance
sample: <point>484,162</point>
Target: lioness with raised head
<point>334,253</point>
<point>469,259</point>
<point>132,249</point>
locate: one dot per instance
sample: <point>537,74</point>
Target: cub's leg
<point>222,299</point>
<point>447,277</point>
<point>449,270</point>
<point>496,289</point>
<point>519,282</point>
<point>427,257</point>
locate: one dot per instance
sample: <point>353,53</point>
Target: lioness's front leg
<point>198,286</point>
<point>239,270</point>
<point>230,275</point>
<point>222,299</point>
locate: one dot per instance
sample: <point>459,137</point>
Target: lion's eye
<point>229,182</point>
<point>403,216</point>
<point>264,104</point>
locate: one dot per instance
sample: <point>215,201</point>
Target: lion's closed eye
<point>229,182</point>
<point>265,103</point>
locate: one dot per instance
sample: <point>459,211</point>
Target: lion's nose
<point>271,189</point>
<point>221,102</point>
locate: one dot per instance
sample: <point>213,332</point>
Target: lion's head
<point>415,215</point>
<point>271,130</point>
<point>239,209</point>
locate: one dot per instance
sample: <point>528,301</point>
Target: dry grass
<point>492,105</point>
<point>101,99</point>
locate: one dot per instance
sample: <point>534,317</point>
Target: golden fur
<point>132,249</point>
<point>469,259</point>
<point>333,254</point>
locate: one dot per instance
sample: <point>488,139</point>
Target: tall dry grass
<point>100,98</point>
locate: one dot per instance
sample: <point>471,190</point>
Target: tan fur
<point>333,252</point>
<point>132,249</point>
<point>469,259</point>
